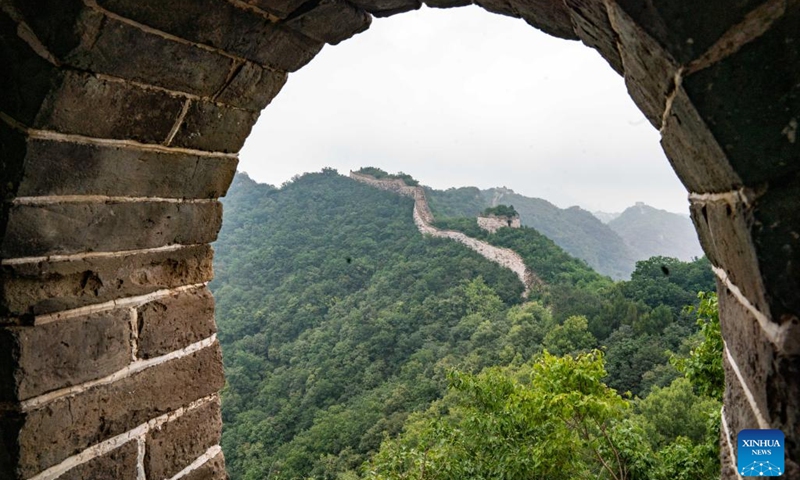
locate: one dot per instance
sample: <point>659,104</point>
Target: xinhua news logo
<point>760,453</point>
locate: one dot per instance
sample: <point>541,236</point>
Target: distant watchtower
<point>494,218</point>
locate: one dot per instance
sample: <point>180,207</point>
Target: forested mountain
<point>650,231</point>
<point>343,328</point>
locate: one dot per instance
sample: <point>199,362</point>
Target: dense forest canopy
<point>382,174</point>
<point>355,347</point>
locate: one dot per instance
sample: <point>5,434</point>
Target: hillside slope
<point>650,231</point>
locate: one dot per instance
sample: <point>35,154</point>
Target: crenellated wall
<point>120,123</point>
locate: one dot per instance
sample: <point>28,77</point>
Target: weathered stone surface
<point>694,153</point>
<point>551,17</point>
<point>385,8</point>
<point>214,128</point>
<point>118,464</point>
<point>174,322</point>
<point>9,351</point>
<point>751,102</point>
<point>724,232</point>
<point>281,8</point>
<point>213,469</point>
<point>10,425</point>
<point>221,25</point>
<point>26,78</point>
<point>77,350</point>
<point>737,409</point>
<point>178,443</point>
<point>67,168</point>
<point>747,343</point>
<point>86,105</point>
<point>649,69</point>
<point>687,29</point>
<point>501,7</point>
<point>45,287</point>
<point>53,432</point>
<point>330,21</point>
<point>591,25</point>
<point>252,87</point>
<point>447,3</point>
<point>783,393</point>
<point>107,227</point>
<point>728,463</point>
<point>101,44</point>
<point>776,236</point>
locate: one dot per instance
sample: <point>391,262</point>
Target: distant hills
<point>612,248</point>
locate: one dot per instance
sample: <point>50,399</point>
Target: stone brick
<point>385,8</point>
<point>591,24</point>
<point>52,433</point>
<point>548,16</point>
<point>180,442</point>
<point>687,29</point>
<point>330,21</point>
<point>728,464</point>
<point>694,153</point>
<point>45,287</point>
<point>78,350</point>
<point>86,105</point>
<point>118,464</point>
<point>68,168</point>
<point>252,87</point>
<point>214,128</point>
<point>500,7</point>
<point>649,68</point>
<point>752,351</point>
<point>213,469</point>
<point>737,409</point>
<point>280,8</point>
<point>101,44</point>
<point>447,3</point>
<point>175,322</point>
<point>107,227</point>
<point>724,230</point>
<point>776,236</point>
<point>26,78</point>
<point>750,101</point>
<point>783,397</point>
<point>10,425</point>
<point>222,25</point>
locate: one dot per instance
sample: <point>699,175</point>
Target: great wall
<point>423,219</point>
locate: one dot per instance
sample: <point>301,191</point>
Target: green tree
<point>703,366</point>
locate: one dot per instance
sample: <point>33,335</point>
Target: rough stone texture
<point>118,464</point>
<point>728,463</point>
<point>752,351</point>
<point>50,229</point>
<point>776,236</point>
<point>738,412</point>
<point>27,77</point>
<point>493,223</point>
<point>591,25</point>
<point>174,322</point>
<point>128,112</point>
<point>252,87</point>
<point>649,69</point>
<point>694,153</point>
<point>51,433</point>
<point>724,232</point>
<point>44,287</point>
<point>549,16</point>
<point>687,29</point>
<point>215,128</point>
<point>385,8</point>
<point>501,7</point>
<point>176,444</point>
<point>755,117</point>
<point>67,168</point>
<point>330,21</point>
<point>10,424</point>
<point>221,25</point>
<point>281,8</point>
<point>213,469</point>
<point>447,3</point>
<point>77,350</point>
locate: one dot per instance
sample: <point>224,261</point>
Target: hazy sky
<point>463,97</point>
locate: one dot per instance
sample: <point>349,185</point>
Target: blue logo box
<point>760,453</point>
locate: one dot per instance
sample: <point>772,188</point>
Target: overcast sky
<point>463,97</point>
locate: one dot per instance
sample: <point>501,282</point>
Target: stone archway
<point>120,123</point>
